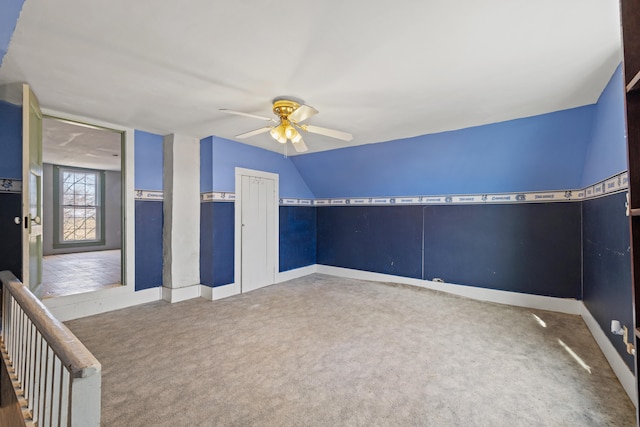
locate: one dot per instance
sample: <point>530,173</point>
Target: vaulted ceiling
<point>380,70</point>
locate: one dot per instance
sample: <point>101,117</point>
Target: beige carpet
<point>324,351</point>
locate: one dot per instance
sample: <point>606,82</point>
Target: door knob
<point>17,220</point>
<point>36,220</point>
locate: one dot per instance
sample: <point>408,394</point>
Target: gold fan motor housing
<point>282,108</point>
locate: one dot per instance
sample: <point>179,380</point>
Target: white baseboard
<point>206,292</point>
<point>82,305</point>
<point>562,305</point>
<point>295,273</point>
<point>232,289</point>
<point>219,292</point>
<point>174,295</point>
<point>620,368</point>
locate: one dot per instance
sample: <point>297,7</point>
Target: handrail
<point>56,380</point>
<point>72,353</point>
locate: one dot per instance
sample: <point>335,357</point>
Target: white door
<point>31,190</point>
<point>257,204</point>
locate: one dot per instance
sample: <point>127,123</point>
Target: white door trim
<point>240,172</point>
<point>90,303</point>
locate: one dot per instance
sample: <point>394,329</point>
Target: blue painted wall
<point>381,239</point>
<point>227,155</point>
<point>216,243</point>
<point>148,246</point>
<point>544,152</point>
<point>10,140</point>
<point>148,161</point>
<point>206,165</point>
<point>8,20</point>
<point>10,203</point>
<point>531,248</point>
<point>607,286</point>
<point>607,266</point>
<point>149,217</point>
<point>297,237</point>
<point>606,153</point>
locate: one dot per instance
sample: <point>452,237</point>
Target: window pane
<point>67,224</point>
<point>67,177</point>
<point>90,195</point>
<point>78,188</point>
<point>68,199</point>
<point>80,206</point>
<point>67,187</point>
<point>90,224</point>
<point>81,200</point>
<point>90,199</point>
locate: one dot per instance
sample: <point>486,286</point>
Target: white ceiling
<point>381,70</point>
<point>71,144</point>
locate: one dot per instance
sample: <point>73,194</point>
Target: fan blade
<point>328,132</point>
<point>254,132</point>
<point>300,146</point>
<point>253,116</point>
<point>302,113</point>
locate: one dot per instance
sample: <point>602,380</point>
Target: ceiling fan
<point>291,114</point>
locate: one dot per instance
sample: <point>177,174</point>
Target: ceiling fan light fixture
<point>296,137</point>
<point>291,114</point>
<point>279,134</point>
<point>274,132</point>
<point>289,131</point>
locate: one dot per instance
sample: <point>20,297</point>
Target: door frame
<point>239,173</point>
<point>128,194</point>
<point>123,158</point>
<point>89,303</point>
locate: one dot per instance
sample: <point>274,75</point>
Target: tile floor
<point>69,274</point>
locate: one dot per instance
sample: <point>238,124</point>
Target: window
<point>79,206</point>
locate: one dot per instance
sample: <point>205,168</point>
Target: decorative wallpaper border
<point>294,202</point>
<point>614,184</point>
<point>610,185</point>
<point>8,185</point>
<point>149,195</point>
<point>217,196</point>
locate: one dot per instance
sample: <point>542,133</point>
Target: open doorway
<point>82,208</point>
